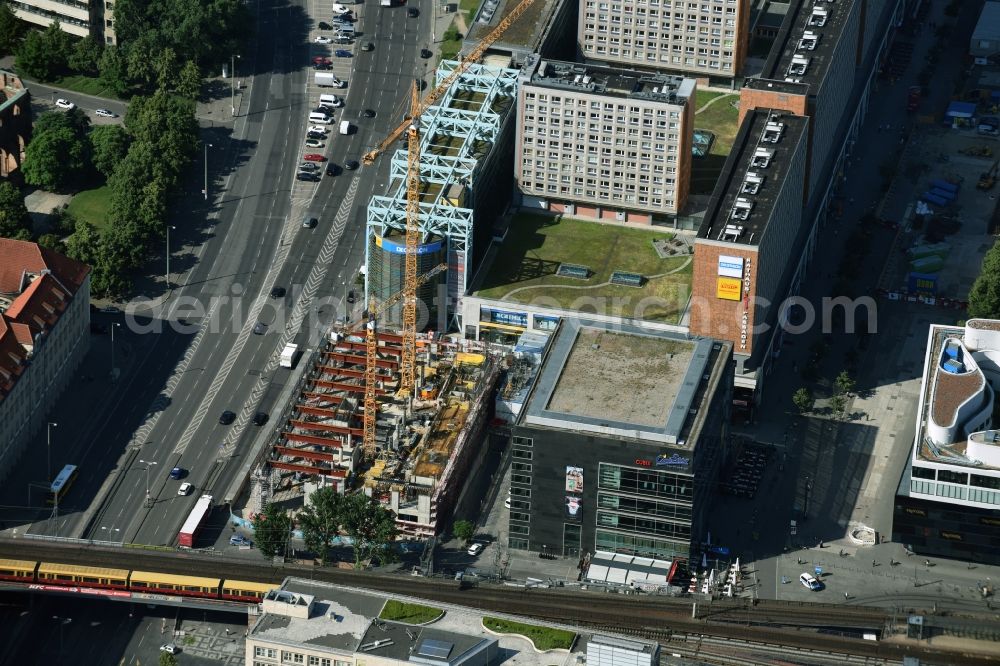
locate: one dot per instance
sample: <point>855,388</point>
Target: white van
<point>330,100</point>
<point>321,118</point>
<point>345,127</point>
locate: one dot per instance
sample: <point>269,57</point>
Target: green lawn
<point>537,244</point>
<point>409,613</point>
<point>544,638</point>
<point>468,8</point>
<point>92,206</point>
<point>451,43</point>
<point>88,85</point>
<point>720,119</point>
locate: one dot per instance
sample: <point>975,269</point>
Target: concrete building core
<point>424,447</point>
<point>707,38</point>
<point>604,143</point>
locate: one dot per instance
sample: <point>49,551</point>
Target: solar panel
<point>434,649</point>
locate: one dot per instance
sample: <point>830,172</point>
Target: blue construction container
<point>944,194</point>
<point>942,184</point>
<point>934,199</point>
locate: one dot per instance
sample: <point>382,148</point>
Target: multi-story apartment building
<point>44,335</point>
<point>948,500</point>
<point>706,38</point>
<point>748,242</point>
<point>603,143</point>
<point>77,17</point>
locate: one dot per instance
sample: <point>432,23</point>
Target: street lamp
<point>232,82</point>
<point>114,325</point>
<point>205,191</point>
<point>48,456</point>
<point>169,227</point>
<point>148,465</point>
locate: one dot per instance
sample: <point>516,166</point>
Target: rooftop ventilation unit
<point>732,232</point>
<point>818,17</point>
<point>773,132</point>
<point>798,66</point>
<point>741,209</point>
<point>752,183</point>
<point>587,79</point>
<point>809,40</point>
<point>762,158</point>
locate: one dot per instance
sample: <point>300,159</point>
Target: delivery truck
<point>345,127</point>
<point>327,80</point>
<point>288,355</point>
<point>189,531</point>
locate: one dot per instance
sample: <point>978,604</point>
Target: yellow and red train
<point>149,582</point>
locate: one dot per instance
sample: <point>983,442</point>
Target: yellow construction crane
<point>408,359</point>
<point>371,356</point>
<point>439,90</point>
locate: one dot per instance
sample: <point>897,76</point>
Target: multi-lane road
<point>165,409</point>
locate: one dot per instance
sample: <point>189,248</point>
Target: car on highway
<point>313,157</point>
<point>475,549</point>
<point>412,12</point>
<point>332,169</point>
<point>277,292</point>
<point>65,104</point>
<point>506,502</point>
<point>368,113</point>
<point>809,582</point>
<point>239,540</point>
<point>260,328</point>
<point>425,53</point>
<point>260,418</point>
<point>309,222</point>
<point>304,175</point>
<point>227,416</point>
<point>184,489</point>
<point>322,39</point>
<point>351,165</point>
<point>313,143</point>
<point>351,297</point>
<point>177,472</point>
<point>342,53</point>
<point>308,166</point>
<point>170,648</point>
<point>367,46</point>
<point>323,25</point>
<point>104,113</point>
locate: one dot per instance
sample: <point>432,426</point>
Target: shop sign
<point>643,463</point>
<point>674,460</point>
<point>730,266</point>
<point>745,319</point>
<point>952,536</point>
<point>728,288</point>
<point>916,512</point>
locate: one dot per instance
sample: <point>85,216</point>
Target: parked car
<point>65,104</point>
<point>412,12</point>
<point>278,292</point>
<point>367,46</point>
<point>322,39</point>
<point>305,175</point>
<point>326,111</point>
<point>260,328</point>
<point>475,549</point>
<point>315,135</point>
<point>425,53</point>
<point>184,489</point>
<point>308,166</point>
<point>260,418</point>
<point>323,25</point>
<point>104,113</point>
<point>313,157</point>
<point>341,53</point>
<point>351,165</point>
<point>227,417</point>
<point>810,582</point>
<point>313,143</point>
<point>239,540</point>
<point>170,648</point>
<point>319,128</point>
<point>322,60</point>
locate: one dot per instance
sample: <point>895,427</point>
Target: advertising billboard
<point>729,289</point>
<point>574,479</point>
<point>573,507</point>
<point>730,266</point>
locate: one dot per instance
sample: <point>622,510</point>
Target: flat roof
<point>804,47</point>
<point>742,204</point>
<point>525,34</point>
<point>609,81</point>
<point>524,268</point>
<point>403,642</point>
<point>623,381</point>
<point>988,25</point>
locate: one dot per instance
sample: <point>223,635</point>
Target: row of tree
<point>370,526</point>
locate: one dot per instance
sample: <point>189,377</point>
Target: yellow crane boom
<point>439,90</point>
<point>409,355</point>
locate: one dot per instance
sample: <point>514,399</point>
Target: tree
<point>844,383</point>
<point>803,400</point>
<point>272,529</point>
<point>167,659</point>
<point>838,403</point>
<point>114,70</point>
<point>371,526</point>
<point>50,241</point>
<point>32,57</point>
<point>464,530</point>
<point>167,68</point>
<point>108,147</point>
<point>984,297</point>
<point>14,219</point>
<point>86,56</point>
<point>189,81</point>
<point>320,521</point>
<point>10,29</point>
<point>54,159</point>
<point>85,244</point>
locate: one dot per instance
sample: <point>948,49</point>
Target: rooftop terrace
<point>754,175</point>
<point>612,82</point>
<point>524,268</point>
<point>624,381</point>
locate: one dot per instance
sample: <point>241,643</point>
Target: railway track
<point>783,625</point>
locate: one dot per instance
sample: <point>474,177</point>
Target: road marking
<point>315,280</point>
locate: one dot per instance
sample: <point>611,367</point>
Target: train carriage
<point>20,570</point>
<point>191,586</point>
<point>69,574</point>
<point>244,590</point>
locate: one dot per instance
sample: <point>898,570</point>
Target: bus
<point>62,484</point>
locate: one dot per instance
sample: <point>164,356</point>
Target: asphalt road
<point>175,384</point>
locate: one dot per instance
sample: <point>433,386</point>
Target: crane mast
<point>408,359</point>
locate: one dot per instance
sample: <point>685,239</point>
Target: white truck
<point>345,127</point>
<point>288,355</point>
<point>328,80</point>
<point>385,3</point>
